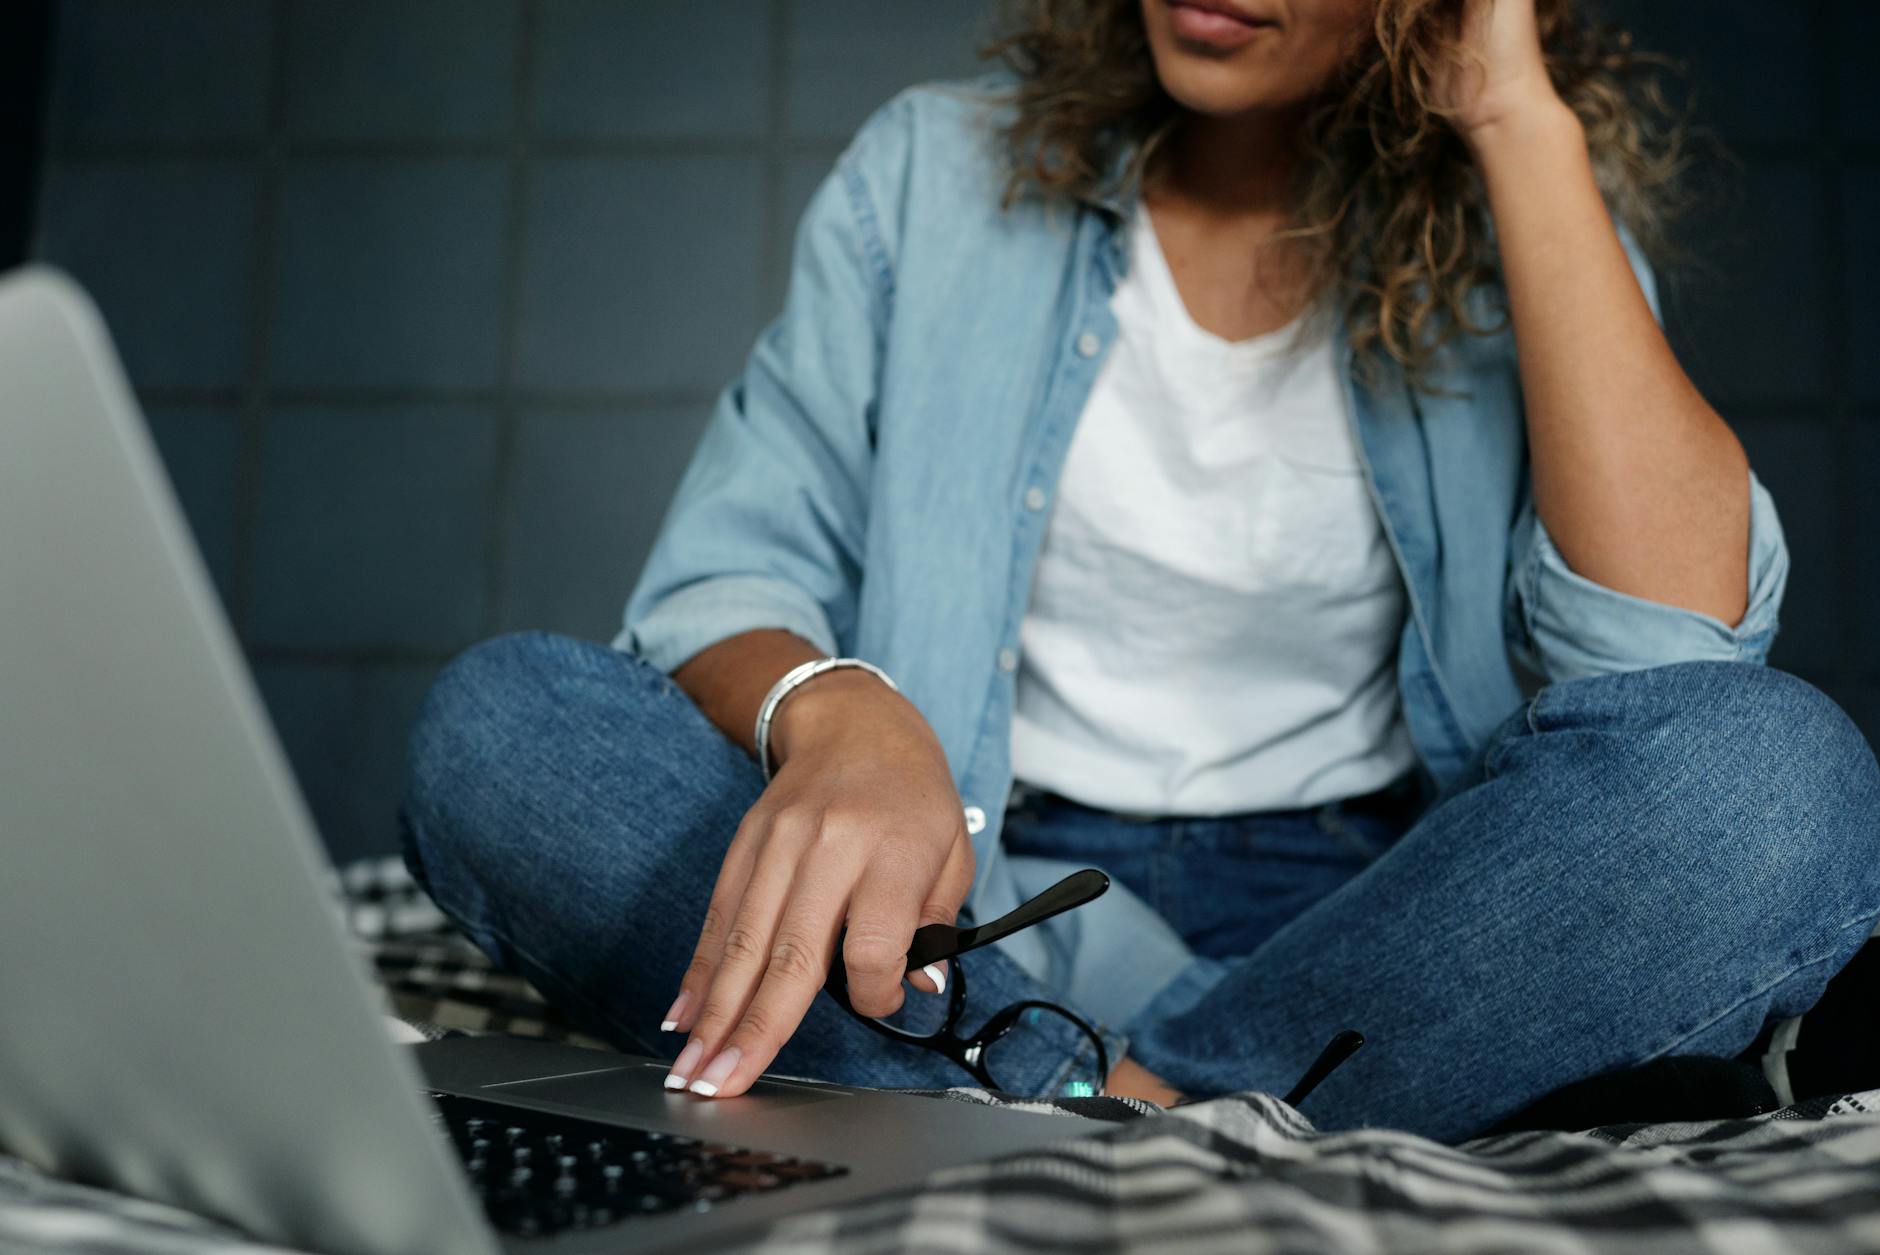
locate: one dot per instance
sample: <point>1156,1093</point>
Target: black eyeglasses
<point>1001,1040</point>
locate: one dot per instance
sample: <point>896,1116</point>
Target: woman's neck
<point>1232,167</point>
<point>1219,199</point>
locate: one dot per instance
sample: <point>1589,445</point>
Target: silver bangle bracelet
<point>788,682</point>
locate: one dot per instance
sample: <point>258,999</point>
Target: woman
<point>1189,426</point>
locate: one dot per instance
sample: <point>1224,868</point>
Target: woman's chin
<point>1218,90</point>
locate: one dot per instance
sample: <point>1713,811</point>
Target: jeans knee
<point>1778,734</point>
<point>521,713</point>
<point>462,719</point>
<point>1785,771</point>
<point>1816,752</point>
<point>511,664</point>
<point>489,716</point>
<point>516,690</point>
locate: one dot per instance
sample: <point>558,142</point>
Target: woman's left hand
<point>1498,74</point>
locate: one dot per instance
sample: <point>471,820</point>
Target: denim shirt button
<point>1088,343</point>
<point>1008,660</point>
<point>1034,498</point>
<point>975,821</point>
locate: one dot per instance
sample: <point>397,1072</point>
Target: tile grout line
<point>37,143</point>
<point>350,396</point>
<point>445,149</point>
<point>373,397</point>
<point>255,400</point>
<point>353,658</point>
<point>1843,491</point>
<point>502,495</point>
<point>774,268</point>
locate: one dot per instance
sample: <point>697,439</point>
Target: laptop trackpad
<point>639,1088</point>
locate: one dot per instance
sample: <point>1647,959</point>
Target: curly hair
<point>1387,205</point>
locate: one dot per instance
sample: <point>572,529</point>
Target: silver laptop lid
<point>182,1019</point>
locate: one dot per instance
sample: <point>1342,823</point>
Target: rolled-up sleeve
<point>1563,625</point>
<point>1566,625</point>
<point>766,528</point>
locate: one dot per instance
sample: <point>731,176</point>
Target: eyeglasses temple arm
<point>1336,1051</point>
<point>943,941</point>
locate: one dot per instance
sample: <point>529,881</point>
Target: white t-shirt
<point>1214,618</point>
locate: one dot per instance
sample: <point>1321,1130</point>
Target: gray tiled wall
<point>429,299</point>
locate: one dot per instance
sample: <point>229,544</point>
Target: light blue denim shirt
<point>878,477</point>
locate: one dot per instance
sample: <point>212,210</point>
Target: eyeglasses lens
<point>1042,1033</point>
<point>923,1014</point>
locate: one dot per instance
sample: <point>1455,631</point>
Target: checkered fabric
<point>1245,1174</point>
<point>430,975</point>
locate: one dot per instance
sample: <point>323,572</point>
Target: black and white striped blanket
<point>1245,1174</point>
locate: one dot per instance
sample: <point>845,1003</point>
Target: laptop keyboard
<point>540,1174</point>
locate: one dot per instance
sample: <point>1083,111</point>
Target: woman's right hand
<point>861,828</point>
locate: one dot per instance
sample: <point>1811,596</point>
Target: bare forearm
<point>729,680</point>
<point>1641,485</point>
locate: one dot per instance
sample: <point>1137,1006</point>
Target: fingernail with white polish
<point>688,1059</point>
<point>671,1023</point>
<point>938,973</point>
<point>718,1073</point>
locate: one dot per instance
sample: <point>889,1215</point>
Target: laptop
<point>184,1018</point>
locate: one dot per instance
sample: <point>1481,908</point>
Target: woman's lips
<point>1218,30</point>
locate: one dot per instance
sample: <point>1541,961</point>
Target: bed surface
<point>1245,1173</point>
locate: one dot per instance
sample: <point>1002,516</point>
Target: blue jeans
<point>1649,863</point>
